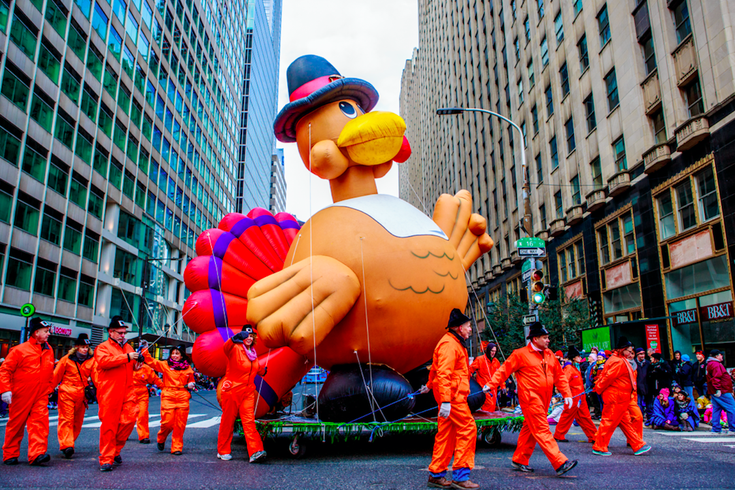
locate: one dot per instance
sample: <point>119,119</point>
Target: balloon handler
<point>142,377</point>
<point>617,385</point>
<point>113,377</point>
<point>25,383</point>
<point>178,379</point>
<point>537,372</point>
<point>579,410</point>
<point>483,368</point>
<point>237,395</point>
<point>449,378</point>
<point>360,281</point>
<point>73,372</point>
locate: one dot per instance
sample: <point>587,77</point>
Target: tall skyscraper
<point>626,111</point>
<point>259,104</point>
<point>118,145</point>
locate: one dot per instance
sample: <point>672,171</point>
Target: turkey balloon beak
<point>373,138</point>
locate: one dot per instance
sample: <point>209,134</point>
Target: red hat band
<point>312,86</point>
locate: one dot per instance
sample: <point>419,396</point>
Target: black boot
<point>42,459</point>
<point>68,452</point>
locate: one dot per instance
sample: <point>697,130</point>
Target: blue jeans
<point>725,403</point>
<point>690,392</point>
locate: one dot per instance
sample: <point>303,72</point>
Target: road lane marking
<point>157,423</point>
<point>204,424</point>
<point>709,439</point>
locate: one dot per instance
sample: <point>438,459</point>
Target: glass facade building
<point>259,104</point>
<point>118,145</point>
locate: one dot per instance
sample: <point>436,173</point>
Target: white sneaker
<point>257,457</point>
<point>224,457</point>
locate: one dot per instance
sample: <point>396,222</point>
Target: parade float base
<point>298,429</point>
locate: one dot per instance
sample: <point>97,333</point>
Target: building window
<point>534,118</point>
<point>559,28</point>
<point>539,169</point>
<point>649,55</point>
<point>596,171</point>
<point>577,6</point>
<point>569,128</point>
<point>693,94</point>
<point>15,90</point>
<point>517,46</point>
<point>542,216</point>
<point>549,101</point>
<point>707,195</point>
<point>45,280</point>
<point>527,29</point>
<point>559,205</point>
<point>659,127</point>
<point>603,24</point>
<point>576,191</point>
<point>571,262</point>
<point>611,83</point>
<point>544,53</point>
<point>554,153</point>
<point>589,107</point>
<point>520,91</point>
<point>26,216</point>
<point>540,8</point>
<point>20,267</point>
<point>584,56</point>
<point>621,162</point>
<point>564,77</point>
<point>666,219</point>
<point>681,21</point>
<point>531,76</point>
<point>685,206</point>
<point>604,245</point>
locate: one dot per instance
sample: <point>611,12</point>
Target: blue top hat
<point>312,83</point>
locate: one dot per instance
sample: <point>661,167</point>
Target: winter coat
<point>685,375</point>
<point>699,373</point>
<point>691,410</point>
<point>717,377</point>
<point>664,415</point>
<point>659,376</point>
<point>642,375</point>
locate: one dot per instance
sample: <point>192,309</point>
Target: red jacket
<point>241,371</point>
<point>114,369</point>
<point>28,369</point>
<point>576,382</point>
<point>618,375</point>
<point>450,371</point>
<point>485,368</point>
<point>717,377</point>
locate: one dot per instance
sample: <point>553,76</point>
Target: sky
<point>368,40</point>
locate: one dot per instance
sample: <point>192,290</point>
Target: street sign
<point>532,252</point>
<point>530,242</point>
<point>529,319</point>
<point>27,310</point>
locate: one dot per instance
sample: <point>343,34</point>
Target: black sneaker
<point>524,468</point>
<point>145,441</point>
<point>11,461</point>
<point>566,467</point>
<point>161,446</point>
<point>42,459</point>
<point>68,452</point>
<point>106,467</point>
<point>177,453</point>
<point>118,460</point>
<point>561,440</point>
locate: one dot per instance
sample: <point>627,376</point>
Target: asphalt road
<point>678,460</point>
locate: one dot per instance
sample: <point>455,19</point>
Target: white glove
<point>718,393</point>
<point>424,389</point>
<point>444,410</point>
<point>683,416</point>
<point>6,397</point>
<point>568,403</point>
<point>191,385</point>
<point>487,389</point>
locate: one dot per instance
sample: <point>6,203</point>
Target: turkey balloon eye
<point>348,109</point>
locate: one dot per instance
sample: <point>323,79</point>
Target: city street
<point>678,460</point>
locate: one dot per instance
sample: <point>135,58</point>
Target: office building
<point>118,145</point>
<point>627,114</point>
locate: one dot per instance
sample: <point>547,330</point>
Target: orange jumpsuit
<point>141,379</point>
<point>450,380</point>
<point>238,396</point>
<point>537,373</point>
<point>617,385</point>
<point>485,368</point>
<point>27,373</point>
<point>579,410</point>
<point>117,411</point>
<point>74,377</point>
<point>174,401</point>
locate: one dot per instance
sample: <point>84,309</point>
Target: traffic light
<point>537,289</point>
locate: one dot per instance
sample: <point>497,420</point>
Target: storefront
<point>694,262</point>
<point>63,332</point>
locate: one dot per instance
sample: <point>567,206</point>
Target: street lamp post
<point>147,261</point>
<point>525,192</point>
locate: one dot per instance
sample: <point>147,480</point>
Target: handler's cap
<point>117,322</point>
<point>714,352</point>
<point>457,318</point>
<point>537,330</point>
<point>572,352</point>
<point>83,339</point>
<point>37,324</point>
